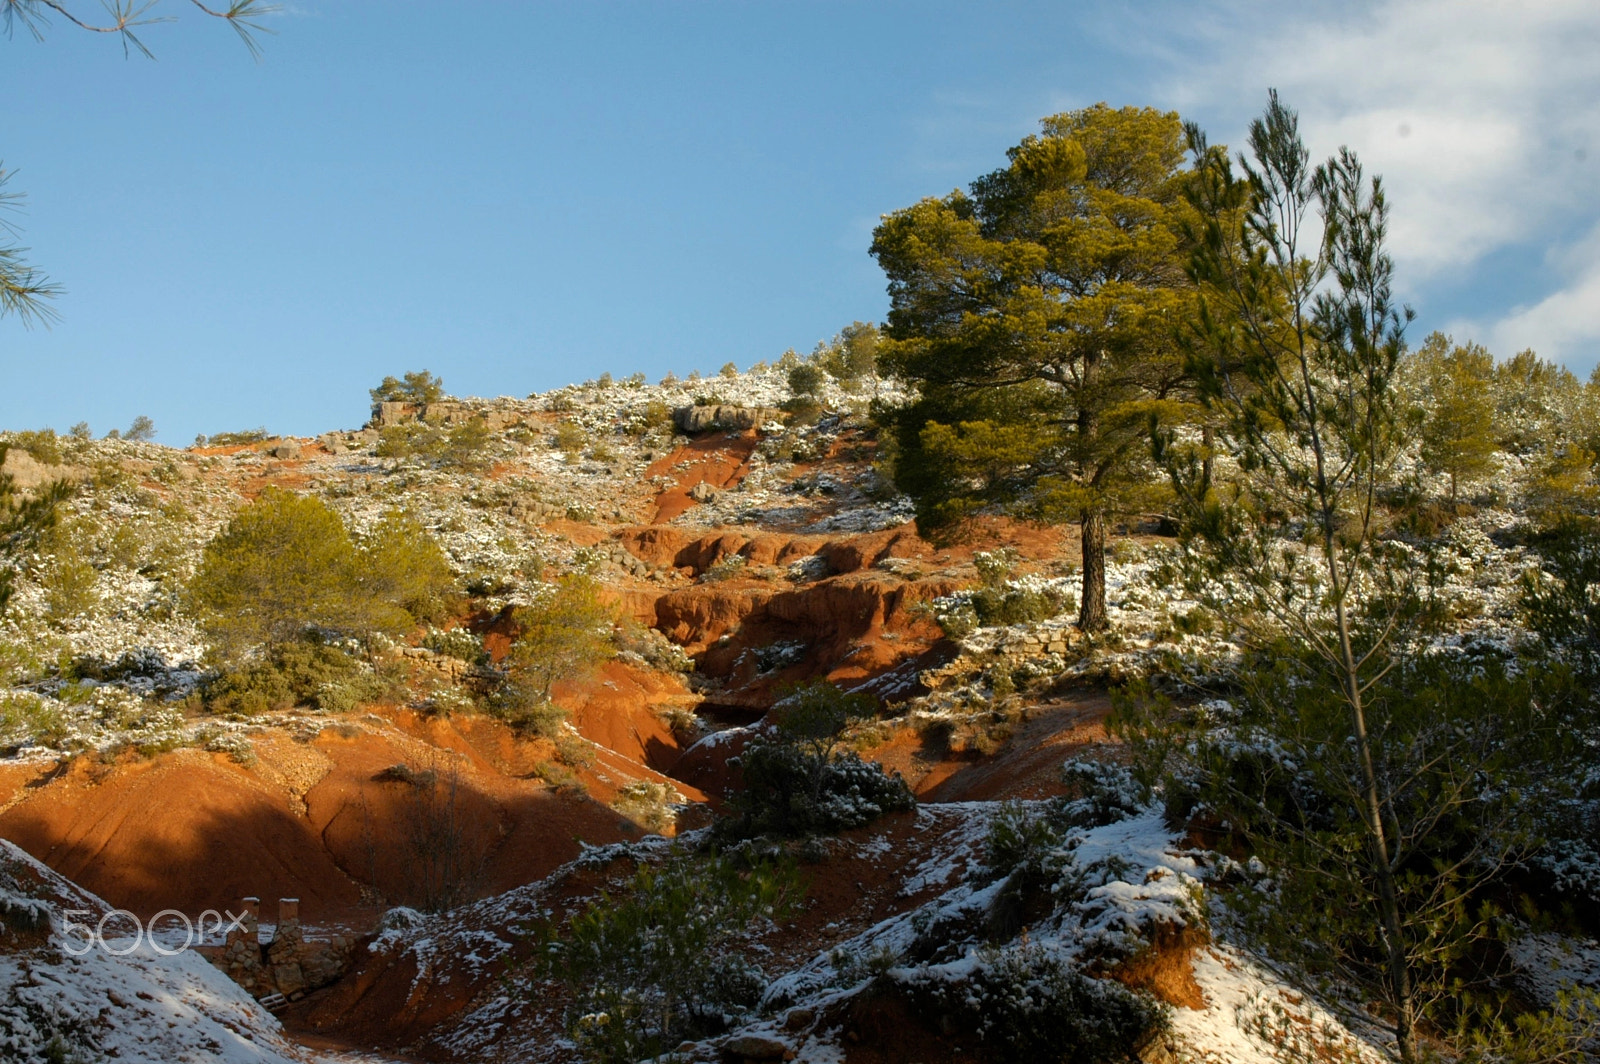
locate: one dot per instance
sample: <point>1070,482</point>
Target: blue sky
<point>516,196</point>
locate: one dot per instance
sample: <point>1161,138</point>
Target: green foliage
<point>461,447</point>
<point>798,782</point>
<point>26,719</point>
<point>42,444</point>
<point>528,710</point>
<point>23,518</point>
<point>997,601</point>
<point>1534,400</point>
<point>570,437</point>
<point>802,409</point>
<point>1030,1005</point>
<point>1020,841</point>
<point>725,568</point>
<point>286,563</point>
<point>456,643</point>
<point>1477,751</point>
<point>564,633</point>
<point>646,803</point>
<point>419,387</point>
<point>1562,600</point>
<point>304,672</point>
<point>653,418</point>
<point>142,430</point>
<point>400,563</point>
<point>1357,760</point>
<point>244,437</point>
<point>283,564</point>
<point>1458,418</point>
<point>852,354</point>
<point>69,583</point>
<point>807,379</point>
<point>652,966</point>
<point>23,289</point>
<point>1034,316</point>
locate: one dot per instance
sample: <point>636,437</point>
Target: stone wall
<point>290,964</point>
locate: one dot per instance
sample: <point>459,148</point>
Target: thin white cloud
<point>1483,116</point>
<point>1566,323</point>
<point>1473,110</point>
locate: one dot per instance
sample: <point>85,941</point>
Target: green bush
<point>461,447</point>
<point>802,410</point>
<point>237,439</point>
<point>796,779</point>
<point>528,710</point>
<point>418,387</point>
<point>286,563</point>
<point>28,720</point>
<point>401,564</point>
<point>647,804</point>
<point>305,672</point>
<point>654,417</point>
<point>725,568</point>
<point>651,967</point>
<point>807,379</point>
<point>570,437</point>
<point>999,601</point>
<point>42,444</point>
<point>1032,1007</point>
<point>456,643</point>
<point>565,632</point>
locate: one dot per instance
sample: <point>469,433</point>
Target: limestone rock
<point>692,419</point>
<point>759,1047</point>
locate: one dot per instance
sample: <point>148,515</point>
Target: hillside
<point>745,549</point>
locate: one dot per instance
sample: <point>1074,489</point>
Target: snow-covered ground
<point>139,1007</point>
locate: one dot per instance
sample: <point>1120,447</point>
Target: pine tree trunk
<point>1404,998</point>
<point>1092,612</point>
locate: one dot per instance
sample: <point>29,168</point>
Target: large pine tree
<point>1035,315</point>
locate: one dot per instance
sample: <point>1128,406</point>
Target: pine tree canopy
<point>1036,316</point>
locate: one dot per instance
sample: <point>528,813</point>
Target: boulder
<point>285,449</point>
<point>759,1047</point>
<point>703,492</point>
<point>391,413</point>
<point>692,419</point>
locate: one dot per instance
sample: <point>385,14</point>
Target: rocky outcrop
<point>448,412</point>
<point>725,418</point>
<point>668,546</point>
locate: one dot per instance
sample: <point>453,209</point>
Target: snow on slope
<point>134,1008</point>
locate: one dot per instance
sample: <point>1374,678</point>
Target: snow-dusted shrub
<point>307,672</point>
<point>456,643</point>
<point>796,779</point>
<point>647,804</point>
<point>1031,1005</point>
<point>725,568</point>
<point>648,968</point>
<point>28,720</point>
<point>652,647</point>
<point>1102,793</point>
<point>235,746</point>
<point>790,792</point>
<point>1001,599</point>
